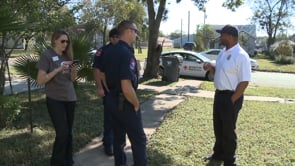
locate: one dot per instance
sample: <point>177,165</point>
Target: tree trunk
<point>152,61</point>
<point>154,49</point>
<point>2,71</point>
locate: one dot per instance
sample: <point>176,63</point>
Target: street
<point>272,79</point>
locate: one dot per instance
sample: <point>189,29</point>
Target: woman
<point>57,71</point>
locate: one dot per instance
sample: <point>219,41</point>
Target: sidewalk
<point>153,112</point>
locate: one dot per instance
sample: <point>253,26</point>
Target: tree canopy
<point>104,14</point>
<point>273,16</point>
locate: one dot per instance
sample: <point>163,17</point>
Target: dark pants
<point>126,120</point>
<point>225,115</point>
<point>62,116</point>
<point>108,136</point>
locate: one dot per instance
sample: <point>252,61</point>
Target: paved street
<point>273,79</point>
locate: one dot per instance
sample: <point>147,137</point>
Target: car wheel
<point>209,76</point>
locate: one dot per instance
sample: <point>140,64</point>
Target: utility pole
<point>188,26</point>
<point>180,34</point>
<point>205,15</point>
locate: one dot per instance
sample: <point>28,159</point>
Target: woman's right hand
<point>65,65</point>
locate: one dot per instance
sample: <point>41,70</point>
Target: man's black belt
<point>224,91</point>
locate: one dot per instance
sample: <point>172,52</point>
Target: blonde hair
<point>69,50</point>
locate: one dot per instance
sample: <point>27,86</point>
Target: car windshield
<point>205,59</point>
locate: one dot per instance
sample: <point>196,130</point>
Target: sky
<point>216,15</point>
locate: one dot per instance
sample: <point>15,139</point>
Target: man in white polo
<point>232,74</point>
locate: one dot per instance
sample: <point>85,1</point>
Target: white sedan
<point>191,63</point>
<point>212,54</point>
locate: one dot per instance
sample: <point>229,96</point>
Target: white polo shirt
<point>232,67</point>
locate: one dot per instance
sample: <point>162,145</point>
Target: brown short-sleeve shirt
<point>60,87</point>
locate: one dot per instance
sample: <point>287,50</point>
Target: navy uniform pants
<point>225,115</point>
<point>108,136</point>
<point>126,120</point>
<point>62,117</point>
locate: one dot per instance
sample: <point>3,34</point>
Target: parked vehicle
<point>189,46</point>
<point>212,54</point>
<point>191,65</point>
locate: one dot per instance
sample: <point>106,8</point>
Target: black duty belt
<point>224,91</point>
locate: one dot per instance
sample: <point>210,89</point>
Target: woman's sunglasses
<point>64,41</point>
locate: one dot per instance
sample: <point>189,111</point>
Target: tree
<point>98,17</point>
<point>8,23</point>
<point>204,34</point>
<point>273,16</point>
<point>154,50</point>
<point>157,12</point>
<point>39,16</point>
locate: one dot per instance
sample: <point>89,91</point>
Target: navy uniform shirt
<point>120,64</point>
<point>99,56</point>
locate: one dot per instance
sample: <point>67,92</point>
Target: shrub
<point>281,59</point>
<point>10,108</point>
<point>282,49</point>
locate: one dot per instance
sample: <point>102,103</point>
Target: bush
<point>10,108</point>
<point>284,49</point>
<point>281,49</point>
<point>282,59</point>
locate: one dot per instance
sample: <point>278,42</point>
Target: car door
<point>191,66</point>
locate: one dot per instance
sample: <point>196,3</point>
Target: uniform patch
<point>98,52</point>
<point>132,64</point>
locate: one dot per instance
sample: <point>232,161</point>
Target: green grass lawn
<point>269,65</point>
<point>266,134</point>
<point>143,55</point>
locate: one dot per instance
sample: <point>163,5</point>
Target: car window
<point>202,57</point>
<point>176,54</point>
<point>167,54</point>
<point>189,57</point>
<point>214,52</point>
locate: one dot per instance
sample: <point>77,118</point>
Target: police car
<point>212,54</point>
<point>191,63</point>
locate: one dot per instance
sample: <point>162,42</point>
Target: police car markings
<point>194,68</point>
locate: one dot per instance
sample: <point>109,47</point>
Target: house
<point>165,42</point>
